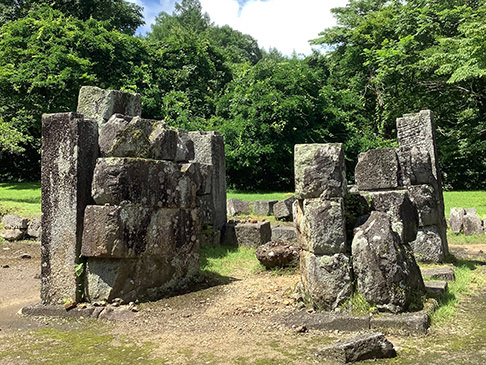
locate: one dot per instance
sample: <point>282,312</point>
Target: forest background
<point>382,60</point>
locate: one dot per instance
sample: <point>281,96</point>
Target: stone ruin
<point>364,240</point>
<point>126,201</point>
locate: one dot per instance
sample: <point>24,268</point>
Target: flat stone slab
<point>363,347</point>
<point>440,273</point>
<point>435,288</point>
<point>284,233</point>
<point>50,310</point>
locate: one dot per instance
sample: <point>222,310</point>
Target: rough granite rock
<point>321,226</point>
<point>34,228</point>
<point>12,221</point>
<point>415,166</point>
<point>282,210</point>
<point>377,170</point>
<point>427,247</point>
<point>472,224</point>
<point>132,230</point>
<point>264,207</point>
<point>401,210</point>
<point>285,233</point>
<point>277,253</point>
<point>99,104</point>
<point>360,348</point>
<point>319,171</point>
<point>327,280</point>
<point>237,206</point>
<point>148,182</point>
<point>385,269</point>
<point>253,234</point>
<point>12,234</point>
<point>456,219</point>
<point>425,200</point>
<point>69,152</point>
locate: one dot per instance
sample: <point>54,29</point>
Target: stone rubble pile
<point>16,228</point>
<point>401,193</point>
<point>125,201</point>
<point>466,221</point>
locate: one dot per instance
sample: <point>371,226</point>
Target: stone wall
<point>124,201</point>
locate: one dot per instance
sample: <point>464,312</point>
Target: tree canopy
<point>382,60</point>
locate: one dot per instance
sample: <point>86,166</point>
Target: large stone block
<point>327,280</point>
<point>151,183</point>
<point>264,207</point>
<point>401,210</point>
<point>282,210</point>
<point>424,198</point>
<point>456,219</point>
<point>321,226</point>
<point>237,206</point>
<point>377,170</point>
<point>34,229</point>
<point>472,224</point>
<point>428,246</point>
<point>99,105</point>
<point>69,152</point>
<point>385,269</point>
<point>319,171</point>
<point>284,233</point>
<point>208,149</point>
<point>253,234</point>
<point>131,231</point>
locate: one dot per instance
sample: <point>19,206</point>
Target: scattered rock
<point>284,233</point>
<point>472,224</point>
<point>253,234</point>
<point>363,347</point>
<point>264,207</point>
<point>441,273</point>
<point>237,206</point>
<point>282,210</point>
<point>5,266</point>
<point>456,219</point>
<point>70,305</point>
<point>435,288</point>
<point>277,253</point>
<point>25,256</point>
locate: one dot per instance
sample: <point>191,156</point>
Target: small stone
<point>5,267</point>
<point>301,329</point>
<point>25,256</point>
<point>70,305</point>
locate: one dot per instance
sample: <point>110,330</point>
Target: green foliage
<point>246,195</point>
<point>465,199</point>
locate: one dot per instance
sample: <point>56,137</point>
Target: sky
<point>287,25</point>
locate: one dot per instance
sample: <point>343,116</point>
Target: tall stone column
<point>69,152</point>
<point>420,174</point>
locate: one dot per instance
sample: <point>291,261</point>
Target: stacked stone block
<point>320,187</point>
<point>121,201</point>
<point>420,174</point>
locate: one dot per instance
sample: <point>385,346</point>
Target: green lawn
<point>23,199</point>
<point>465,199</point>
<point>253,196</point>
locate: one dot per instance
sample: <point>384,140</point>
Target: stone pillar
<point>69,152</point>
<point>209,150</point>
<point>420,174</point>
<point>320,187</point>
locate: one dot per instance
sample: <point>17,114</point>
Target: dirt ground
<point>234,323</point>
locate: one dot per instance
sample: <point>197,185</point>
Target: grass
<point>468,281</point>
<point>253,196</point>
<point>227,260</point>
<point>461,239</point>
<point>23,199</point>
<point>465,199</point>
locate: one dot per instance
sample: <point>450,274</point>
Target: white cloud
<point>287,25</point>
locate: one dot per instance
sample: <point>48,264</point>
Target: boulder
<point>34,229</point>
<point>456,219</point>
<point>277,253</point>
<point>237,207</point>
<point>472,224</point>
<point>253,234</point>
<point>401,210</point>
<point>148,182</point>
<point>282,210</point>
<point>428,208</point>
<point>12,234</point>
<point>427,247</point>
<point>319,171</point>
<point>377,170</point>
<point>360,348</point>
<point>99,105</point>
<point>12,221</point>
<point>321,226</point>
<point>284,233</point>
<point>385,269</point>
<point>327,280</point>
<point>263,207</point>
